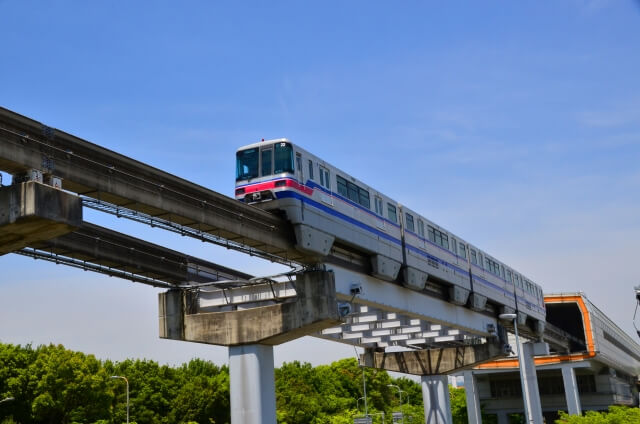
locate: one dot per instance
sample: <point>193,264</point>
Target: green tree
<point>615,415</point>
<point>67,386</point>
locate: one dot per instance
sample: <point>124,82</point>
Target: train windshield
<point>247,164</point>
<point>283,158</point>
<point>250,161</point>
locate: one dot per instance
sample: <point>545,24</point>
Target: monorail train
<point>325,204</point>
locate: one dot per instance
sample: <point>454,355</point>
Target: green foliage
<point>615,415</point>
<point>458,405</point>
<point>51,384</point>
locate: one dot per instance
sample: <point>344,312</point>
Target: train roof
<point>263,142</point>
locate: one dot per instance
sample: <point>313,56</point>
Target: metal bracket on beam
<point>443,360</point>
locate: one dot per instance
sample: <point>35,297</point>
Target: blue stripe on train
<point>331,211</point>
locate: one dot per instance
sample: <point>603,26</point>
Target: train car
<point>328,207</point>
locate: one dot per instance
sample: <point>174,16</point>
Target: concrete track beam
<point>433,361</point>
<point>312,310</point>
<point>32,212</point>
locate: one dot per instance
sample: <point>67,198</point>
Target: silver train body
<point>328,206</point>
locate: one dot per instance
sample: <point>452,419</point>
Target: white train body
<point>326,205</point>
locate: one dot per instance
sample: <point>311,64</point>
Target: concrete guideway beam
<point>98,245</point>
<point>386,296</point>
<point>314,308</point>
<point>31,212</point>
<point>437,361</point>
<point>94,171</point>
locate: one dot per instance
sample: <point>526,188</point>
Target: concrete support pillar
<point>532,394</point>
<point>503,418</point>
<point>473,400</point>
<point>435,396</point>
<point>252,384</point>
<point>571,390</point>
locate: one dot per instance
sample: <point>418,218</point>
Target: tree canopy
<point>51,384</point>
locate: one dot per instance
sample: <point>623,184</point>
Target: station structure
<point>600,368</point>
<point>56,175</point>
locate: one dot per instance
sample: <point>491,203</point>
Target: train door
<point>325,182</point>
<point>266,160</point>
<point>299,174</point>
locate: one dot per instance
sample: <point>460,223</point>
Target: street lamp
<point>126,381</point>
<point>358,403</point>
<point>400,392</point>
<point>525,393</point>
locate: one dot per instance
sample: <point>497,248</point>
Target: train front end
<point>263,169</point>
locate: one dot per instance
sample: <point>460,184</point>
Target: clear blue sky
<point>516,125</point>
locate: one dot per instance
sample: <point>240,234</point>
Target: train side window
<point>391,213</point>
<point>410,225</point>
<point>509,276</point>
<point>420,228</point>
<point>324,177</point>
<point>431,232</point>
<point>342,186</point>
<point>461,250</point>
<point>363,198</point>
<point>352,189</point>
<point>474,258</point>
<point>266,159</point>
<point>353,192</point>
<point>454,246</point>
<point>438,237</point>
<point>445,241</point>
<point>487,264</point>
<point>378,203</point>
<point>310,170</point>
<point>299,162</point>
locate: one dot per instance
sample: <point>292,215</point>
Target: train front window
<point>247,164</point>
<point>266,162</point>
<point>283,158</point>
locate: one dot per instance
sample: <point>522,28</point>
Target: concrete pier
<point>435,396</point>
<point>252,384</point>
<point>474,414</point>
<point>532,395</point>
<point>31,212</point>
<point>571,390</point>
